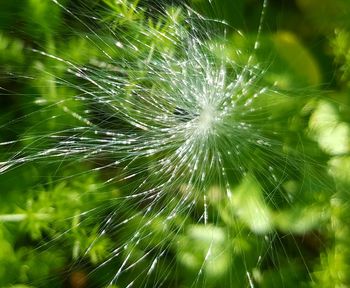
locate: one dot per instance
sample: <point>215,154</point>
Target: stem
<point>21,217</point>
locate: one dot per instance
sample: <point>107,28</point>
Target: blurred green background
<point>306,47</point>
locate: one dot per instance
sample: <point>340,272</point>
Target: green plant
<point>170,150</point>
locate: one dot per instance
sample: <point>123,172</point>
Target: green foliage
<point>43,228</point>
